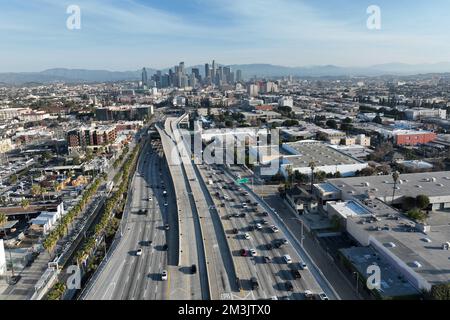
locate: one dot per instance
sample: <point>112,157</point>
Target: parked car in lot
<point>303,266</point>
<point>235,231</point>
<point>247,236</point>
<point>243,252</point>
<point>287,258</point>
<point>267,259</point>
<point>274,229</point>
<point>253,252</point>
<point>258,226</point>
<point>139,252</point>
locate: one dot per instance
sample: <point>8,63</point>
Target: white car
<point>247,236</point>
<point>323,296</point>
<point>274,229</point>
<point>164,275</point>
<point>139,252</point>
<point>287,258</point>
<point>150,199</point>
<point>258,226</point>
<point>303,266</point>
<point>166,204</point>
<point>253,252</point>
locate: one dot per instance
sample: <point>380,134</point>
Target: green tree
<point>422,201</point>
<point>417,214</point>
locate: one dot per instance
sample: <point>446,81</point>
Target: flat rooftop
<point>435,185</point>
<point>399,235</point>
<point>391,285</point>
<point>321,154</point>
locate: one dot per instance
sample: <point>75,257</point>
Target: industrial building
<point>324,157</point>
<point>435,185</point>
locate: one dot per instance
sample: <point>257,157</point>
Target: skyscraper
<point>213,72</point>
<point>144,77</point>
<point>207,72</point>
<point>238,75</point>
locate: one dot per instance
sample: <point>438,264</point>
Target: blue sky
<point>128,34</point>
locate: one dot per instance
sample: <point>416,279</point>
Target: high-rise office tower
<point>238,75</point>
<point>196,73</point>
<point>213,72</point>
<point>207,72</point>
<point>144,77</point>
<point>182,67</point>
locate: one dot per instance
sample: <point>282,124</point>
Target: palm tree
<point>395,177</point>
<point>3,219</point>
<point>25,203</point>
<point>312,165</point>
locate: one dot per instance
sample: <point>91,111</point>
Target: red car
<point>244,252</point>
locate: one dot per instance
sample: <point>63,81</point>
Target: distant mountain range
<point>248,71</point>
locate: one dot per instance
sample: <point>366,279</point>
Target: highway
<point>219,262</point>
<point>273,276</point>
<point>127,276</point>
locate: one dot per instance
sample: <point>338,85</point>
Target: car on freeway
<point>139,252</point>
<point>287,258</point>
<point>258,226</point>
<point>303,266</point>
<point>253,252</point>
<point>289,286</point>
<point>243,252</point>
<point>164,275</point>
<point>274,228</point>
<point>296,274</point>
<point>308,295</point>
<point>247,236</point>
<point>267,259</point>
<point>323,296</point>
<point>255,284</point>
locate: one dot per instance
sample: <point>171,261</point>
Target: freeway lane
<point>127,276</point>
<point>190,240</point>
<point>271,276</point>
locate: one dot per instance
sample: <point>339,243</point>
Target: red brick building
<point>412,138</point>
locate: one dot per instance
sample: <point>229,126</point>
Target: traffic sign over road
<point>243,180</point>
